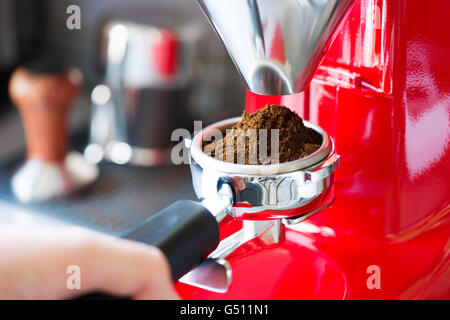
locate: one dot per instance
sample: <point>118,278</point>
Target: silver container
<point>148,73</point>
<point>276,44</point>
<point>287,190</point>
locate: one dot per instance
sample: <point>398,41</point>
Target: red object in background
<point>383,94</point>
<point>165,53</point>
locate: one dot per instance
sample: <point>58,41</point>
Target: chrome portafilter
<point>265,197</point>
<point>291,190</point>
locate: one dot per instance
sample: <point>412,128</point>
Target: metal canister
<point>148,74</point>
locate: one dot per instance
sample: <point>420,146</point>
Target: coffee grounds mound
<point>295,140</point>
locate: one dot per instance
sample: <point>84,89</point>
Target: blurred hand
<point>34,262</point>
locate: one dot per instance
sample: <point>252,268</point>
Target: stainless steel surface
<point>37,181</point>
<point>276,44</point>
<point>269,231</point>
<point>149,70</point>
<point>281,189</point>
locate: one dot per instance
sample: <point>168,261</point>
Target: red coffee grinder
<point>381,90</point>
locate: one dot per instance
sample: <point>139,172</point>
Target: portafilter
<point>265,197</point>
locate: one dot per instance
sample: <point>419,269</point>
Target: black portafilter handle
<point>186,232</point>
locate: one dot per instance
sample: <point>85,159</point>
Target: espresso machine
<point>377,228</point>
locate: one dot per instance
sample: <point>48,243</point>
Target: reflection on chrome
<point>276,44</point>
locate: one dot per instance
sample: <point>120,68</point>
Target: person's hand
<point>34,265</point>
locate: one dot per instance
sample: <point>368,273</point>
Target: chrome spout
<point>276,45</point>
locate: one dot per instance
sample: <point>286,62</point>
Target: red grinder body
<point>383,94</point>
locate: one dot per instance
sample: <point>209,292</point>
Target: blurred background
<point>148,66</point>
<point>37,28</point>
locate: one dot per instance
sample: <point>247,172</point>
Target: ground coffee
<point>294,139</point>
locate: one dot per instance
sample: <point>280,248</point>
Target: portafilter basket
<point>291,190</point>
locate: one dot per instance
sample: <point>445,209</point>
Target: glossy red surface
<point>383,94</point>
